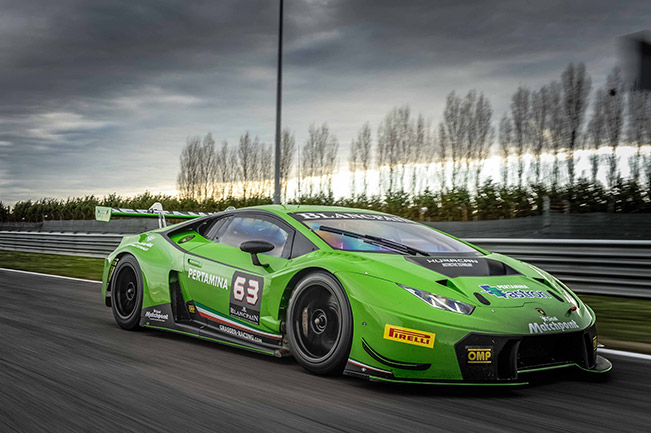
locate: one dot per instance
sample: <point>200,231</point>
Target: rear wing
<point>103,213</point>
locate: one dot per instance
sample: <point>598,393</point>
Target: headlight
<point>440,302</point>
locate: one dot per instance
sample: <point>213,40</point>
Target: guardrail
<point>609,267</point>
<point>71,244</point>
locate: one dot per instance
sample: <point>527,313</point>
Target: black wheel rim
<point>317,322</point>
<point>126,292</point>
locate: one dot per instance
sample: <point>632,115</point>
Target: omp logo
<point>479,355</point>
<point>409,336</point>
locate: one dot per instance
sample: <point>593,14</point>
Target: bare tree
<point>207,168</point>
<point>451,133</point>
<point>319,158</point>
<point>557,129</point>
<point>480,133</point>
<point>576,88</point>
<point>353,162</point>
<point>613,120</point>
<point>419,147</point>
<point>265,171</point>
<point>248,163</point>
<point>287,153</point>
<point>506,146</point>
<point>638,119</point>
<point>395,138</point>
<point>189,176</point>
<point>364,155</point>
<point>596,132</point>
<point>540,106</point>
<point>521,117</point>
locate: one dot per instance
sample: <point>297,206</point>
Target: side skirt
<point>161,317</point>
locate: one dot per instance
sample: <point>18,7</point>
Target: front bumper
<point>494,359</point>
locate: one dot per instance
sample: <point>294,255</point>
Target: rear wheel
<point>126,293</point>
<point>320,324</point>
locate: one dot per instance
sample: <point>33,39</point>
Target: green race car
<point>365,293</point>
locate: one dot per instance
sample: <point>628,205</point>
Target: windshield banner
<point>329,215</point>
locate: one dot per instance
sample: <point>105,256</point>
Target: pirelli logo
<point>409,336</point>
<point>479,355</point>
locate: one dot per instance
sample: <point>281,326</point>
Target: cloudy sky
<point>99,97</point>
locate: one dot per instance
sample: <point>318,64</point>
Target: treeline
<point>490,201</point>
<point>537,141</point>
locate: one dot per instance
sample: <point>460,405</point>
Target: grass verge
<point>622,323</point>
<point>68,266</point>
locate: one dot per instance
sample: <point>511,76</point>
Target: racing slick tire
<point>126,293</point>
<point>320,324</point>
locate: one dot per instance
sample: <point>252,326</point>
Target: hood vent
<point>548,284</point>
<point>481,299</point>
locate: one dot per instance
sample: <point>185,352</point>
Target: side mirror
<point>256,247</point>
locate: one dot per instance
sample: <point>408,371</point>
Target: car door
<point>223,281</point>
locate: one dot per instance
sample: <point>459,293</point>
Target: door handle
<point>194,263</point>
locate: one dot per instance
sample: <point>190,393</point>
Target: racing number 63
<point>252,290</point>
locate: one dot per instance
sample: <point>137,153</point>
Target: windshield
<point>392,228</point>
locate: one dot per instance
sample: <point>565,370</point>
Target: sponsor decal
<point>309,216</point>
<point>239,334</point>
<point>595,343</point>
<point>551,324</point>
<point>513,291</point>
<point>454,263</point>
<point>156,315</point>
<point>206,278</point>
<point>479,355</point>
<point>409,336</point>
<point>229,323</point>
<point>246,294</point>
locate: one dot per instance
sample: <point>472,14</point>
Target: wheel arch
<point>291,284</point>
<point>109,279</point>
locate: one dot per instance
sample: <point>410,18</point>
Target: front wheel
<point>126,293</point>
<point>320,324</point>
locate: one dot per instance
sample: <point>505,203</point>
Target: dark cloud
<point>100,96</point>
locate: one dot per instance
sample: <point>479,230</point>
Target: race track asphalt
<point>66,367</point>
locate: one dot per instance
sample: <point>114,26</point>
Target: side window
<point>209,228</point>
<point>241,229</point>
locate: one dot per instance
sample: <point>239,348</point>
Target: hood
<point>487,280</point>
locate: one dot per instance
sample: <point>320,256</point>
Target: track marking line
<point>625,353</point>
<point>50,275</point>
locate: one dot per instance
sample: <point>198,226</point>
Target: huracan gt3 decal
<point>409,336</point>
<point>246,292</point>
<point>513,291</point>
